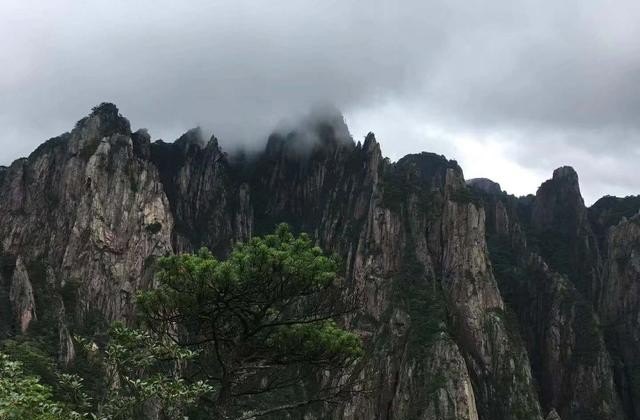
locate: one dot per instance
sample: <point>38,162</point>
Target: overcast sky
<point>511,89</point>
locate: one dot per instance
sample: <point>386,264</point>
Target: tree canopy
<point>262,321</point>
<point>23,396</point>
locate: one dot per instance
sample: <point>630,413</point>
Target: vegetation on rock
<point>223,339</point>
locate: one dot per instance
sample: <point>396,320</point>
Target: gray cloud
<point>544,84</point>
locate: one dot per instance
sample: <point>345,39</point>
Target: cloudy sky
<point>511,89</point>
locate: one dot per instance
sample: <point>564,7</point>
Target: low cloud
<point>534,86</point>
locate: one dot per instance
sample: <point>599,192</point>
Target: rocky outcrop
<point>414,246</point>
<point>562,232</point>
<point>208,209</point>
<point>484,184</point>
<point>87,210</point>
<point>620,307</point>
<point>495,355</point>
<point>609,211</point>
<point>573,365</point>
<point>558,322</point>
<point>21,297</point>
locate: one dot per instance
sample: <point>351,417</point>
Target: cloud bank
<point>511,89</point>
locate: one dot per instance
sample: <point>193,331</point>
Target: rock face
<point>620,306</point>
<point>196,180</point>
<point>486,185</point>
<point>83,214</point>
<point>561,227</point>
<point>466,314</point>
<point>548,263</point>
<point>21,297</point>
<point>3,171</point>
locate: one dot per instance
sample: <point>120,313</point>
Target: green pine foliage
<point>247,336</point>
<point>261,321</point>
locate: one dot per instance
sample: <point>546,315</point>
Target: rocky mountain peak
<point>431,169</point>
<point>485,184</point>
<point>192,138</point>
<point>370,142</point>
<point>213,143</point>
<point>106,110</point>
<point>322,130</point>
<point>104,122</point>
<point>608,211</point>
<point>329,116</point>
<point>565,236</point>
<point>566,174</point>
<point>107,119</point>
<point>564,185</point>
<point>560,194</point>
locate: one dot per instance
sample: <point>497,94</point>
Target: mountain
<point>475,304</point>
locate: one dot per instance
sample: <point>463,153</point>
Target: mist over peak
<point>510,89</point>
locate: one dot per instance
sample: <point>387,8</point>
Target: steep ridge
<point>620,303</point>
<point>548,265</point>
<point>412,244</point>
<point>609,211</point>
<point>85,214</point>
<point>81,216</point>
<point>561,228</point>
<point>415,248</point>
<point>196,180</point>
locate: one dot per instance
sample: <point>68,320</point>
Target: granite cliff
<point>475,304</point>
